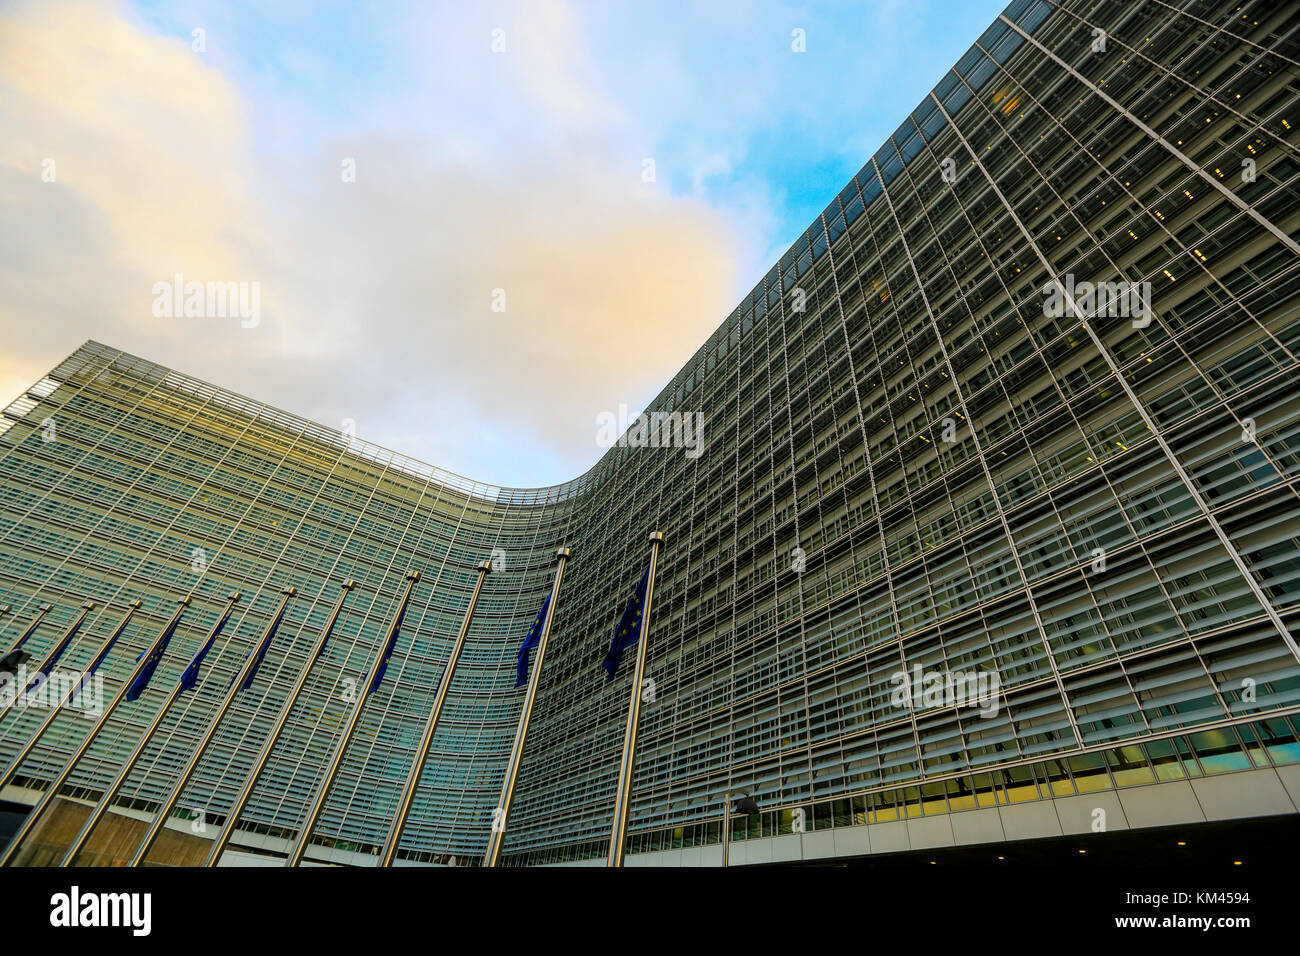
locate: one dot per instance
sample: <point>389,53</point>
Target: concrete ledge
<point>926,832</point>
<point>1030,821</point>
<point>848,841</point>
<point>1256,793</point>
<point>1244,794</point>
<point>978,826</point>
<point>1161,804</point>
<point>819,845</point>
<point>787,848</point>
<point>1079,814</point>
<point>1290,777</point>
<point>889,837</point>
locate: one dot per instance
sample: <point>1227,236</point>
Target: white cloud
<point>376,294</point>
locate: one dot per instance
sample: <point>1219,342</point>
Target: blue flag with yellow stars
<point>261,650</point>
<point>191,675</point>
<point>388,650</point>
<point>628,631</point>
<point>532,640</point>
<point>142,679</point>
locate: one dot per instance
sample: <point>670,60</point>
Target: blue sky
<point>519,169</point>
<point>697,81</point>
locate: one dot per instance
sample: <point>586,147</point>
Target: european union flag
<point>151,664</point>
<point>261,649</point>
<point>191,675</point>
<point>532,640</point>
<point>388,650</point>
<point>628,631</point>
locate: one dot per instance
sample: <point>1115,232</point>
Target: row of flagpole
<point>541,632</point>
<point>389,851</point>
<point>373,678</point>
<point>17,657</point>
<point>106,799</point>
<point>134,685</point>
<point>632,630</point>
<point>254,772</point>
<point>243,680</point>
<point>623,796</point>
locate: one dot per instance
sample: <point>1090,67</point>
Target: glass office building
<point>913,465</point>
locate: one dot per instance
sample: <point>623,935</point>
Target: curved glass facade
<point>911,465</point>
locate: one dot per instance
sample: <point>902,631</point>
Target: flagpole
<point>43,610</point>
<point>726,827</point>
<point>498,835</point>
<point>169,801</point>
<point>250,779</point>
<point>61,645</point>
<point>70,856</point>
<point>53,789</point>
<point>336,760</point>
<point>394,837</point>
<point>54,711</point>
<point>56,650</point>
<point>623,797</point>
